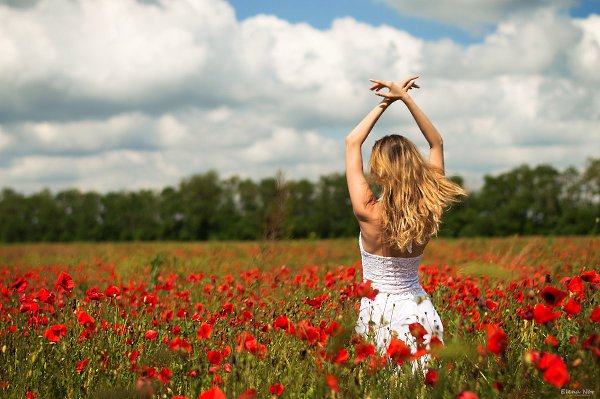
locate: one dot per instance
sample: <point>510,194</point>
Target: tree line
<point>527,200</point>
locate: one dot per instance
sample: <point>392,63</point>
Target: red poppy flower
<point>590,277</point>
<point>276,389</point>
<point>364,290</point>
<point>112,291</point>
<point>342,356</point>
<point>85,319</point>
<point>496,339</point>
<point>398,351</point>
<point>555,370</point>
<point>178,344</point>
<point>248,342</point>
<point>19,285</point>
<point>55,332</point>
<point>94,295</point>
<point>332,382</point>
<point>249,394</point>
<point>165,375</point>
<point>552,296</point>
<point>430,377</point>
<point>79,366</point>
<point>543,314</point>
<point>43,295</point>
<point>551,339</point>
<point>491,305</point>
<point>306,331</point>
<point>214,357</point>
<point>213,393</point>
<point>151,335</point>
<point>204,331</point>
<point>575,285</point>
<point>65,282</point>
<point>572,307</point>
<point>473,315</point>
<point>363,350</point>
<point>525,313</point>
<point>418,331</point>
<point>467,395</point>
<point>315,303</point>
<point>281,322</point>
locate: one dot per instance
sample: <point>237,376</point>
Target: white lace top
<point>391,275</point>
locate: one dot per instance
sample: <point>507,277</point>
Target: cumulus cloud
<point>103,95</point>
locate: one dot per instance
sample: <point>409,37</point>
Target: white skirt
<point>391,314</point>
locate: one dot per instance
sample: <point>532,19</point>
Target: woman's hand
<point>397,90</point>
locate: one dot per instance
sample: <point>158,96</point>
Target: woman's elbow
<point>352,141</point>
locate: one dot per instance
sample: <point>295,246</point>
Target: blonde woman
<point>396,227</point>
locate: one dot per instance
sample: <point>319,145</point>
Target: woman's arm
<point>433,137</point>
<point>361,196</point>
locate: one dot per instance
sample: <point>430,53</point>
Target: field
<point>276,319</point>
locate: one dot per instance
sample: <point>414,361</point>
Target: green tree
<point>200,196</point>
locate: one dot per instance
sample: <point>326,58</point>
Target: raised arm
<point>433,137</point>
<point>361,196</point>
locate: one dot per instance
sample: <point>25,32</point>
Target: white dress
<point>401,301</point>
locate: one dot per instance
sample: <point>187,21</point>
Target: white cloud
<point>104,94</point>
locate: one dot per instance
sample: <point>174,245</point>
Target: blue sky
<point>109,95</point>
<point>320,14</point>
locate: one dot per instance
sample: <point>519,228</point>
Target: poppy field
<point>521,319</point>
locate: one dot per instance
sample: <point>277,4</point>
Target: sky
<point>110,95</point>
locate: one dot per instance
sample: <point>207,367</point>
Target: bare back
<point>374,240</point>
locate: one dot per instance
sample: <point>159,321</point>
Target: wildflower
<point>249,394</point>
<point>165,375</point>
<point>20,284</point>
<point>552,296</point>
<point>94,295</point>
<point>496,339</point>
<point>332,382</point>
<point>213,393</point>
<point>276,389</point>
<point>112,291</point>
<point>55,332</point>
<point>364,290</point>
<point>43,295</point>
<point>418,331</point>
<point>431,377</point>
<point>79,366</point>
<point>398,351</point>
<point>180,345</point>
<point>543,314</point>
<point>204,331</point>
<point>575,285</point>
<point>342,356</point>
<point>467,395</point>
<point>555,370</point>
<point>65,282</point>
<point>214,357</point>
<point>281,322</point>
<point>572,307</point>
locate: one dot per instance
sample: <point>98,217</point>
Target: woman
<point>396,228</point>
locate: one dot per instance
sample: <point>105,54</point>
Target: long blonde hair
<point>413,193</point>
